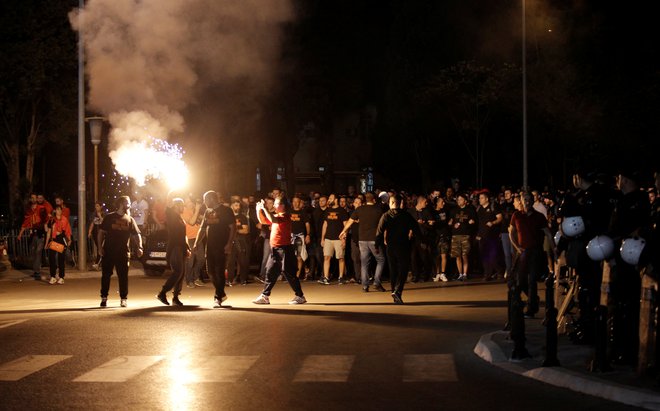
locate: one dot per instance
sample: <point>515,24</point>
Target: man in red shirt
<point>282,256</point>
<point>36,217</point>
<point>66,211</point>
<point>527,230</point>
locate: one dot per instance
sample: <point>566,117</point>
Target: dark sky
<point>593,83</point>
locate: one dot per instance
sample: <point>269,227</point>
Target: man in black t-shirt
<point>507,209</point>
<point>300,233</point>
<point>333,224</point>
<point>368,216</point>
<point>316,251</point>
<point>238,259</point>
<point>421,251</point>
<point>219,229</point>
<point>463,220</point>
<point>115,234</point>
<point>490,219</point>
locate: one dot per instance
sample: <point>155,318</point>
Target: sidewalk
<point>26,275</point>
<point>620,385</point>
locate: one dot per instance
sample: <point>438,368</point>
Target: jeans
<point>264,259</point>
<point>177,264</point>
<point>215,265</point>
<point>56,261</point>
<point>195,263</point>
<point>506,248</point>
<point>238,260</point>
<point>398,259</point>
<point>529,266</point>
<point>368,248</point>
<point>36,250</point>
<point>108,264</point>
<point>282,259</point>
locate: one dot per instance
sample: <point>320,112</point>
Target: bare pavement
<point>344,349</point>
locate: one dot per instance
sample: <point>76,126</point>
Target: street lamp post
<point>96,132</point>
<point>524,96</point>
<point>82,191</point>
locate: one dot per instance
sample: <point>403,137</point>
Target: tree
<point>468,92</point>
<point>37,86</point>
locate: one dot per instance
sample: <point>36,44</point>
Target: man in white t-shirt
<point>140,213</point>
<point>140,210</point>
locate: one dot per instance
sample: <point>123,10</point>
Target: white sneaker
<point>262,299</point>
<point>60,280</point>
<point>298,300</point>
<point>53,280</point>
<point>123,303</point>
<point>436,278</point>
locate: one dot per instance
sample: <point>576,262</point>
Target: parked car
<point>155,252</point>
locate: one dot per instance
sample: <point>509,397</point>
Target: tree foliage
<point>37,86</point>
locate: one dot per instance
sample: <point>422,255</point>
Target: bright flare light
<point>155,159</point>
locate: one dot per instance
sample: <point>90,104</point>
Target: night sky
<point>593,92</point>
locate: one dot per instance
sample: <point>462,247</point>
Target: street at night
<point>329,205</point>
<point>344,349</point>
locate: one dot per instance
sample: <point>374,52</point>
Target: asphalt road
<point>343,350</point>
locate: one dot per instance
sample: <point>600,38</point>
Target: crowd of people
<point>446,235</point>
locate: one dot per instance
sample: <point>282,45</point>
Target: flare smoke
<point>148,60</point>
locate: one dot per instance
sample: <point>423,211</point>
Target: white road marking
<point>24,366</point>
<point>120,369</point>
<point>325,368</point>
<point>9,323</point>
<point>222,368</point>
<point>430,368</point>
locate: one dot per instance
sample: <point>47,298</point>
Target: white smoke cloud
<point>148,60</point>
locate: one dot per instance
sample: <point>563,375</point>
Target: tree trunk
<point>31,147</point>
<point>12,163</point>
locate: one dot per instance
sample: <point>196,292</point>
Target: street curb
<point>490,352</point>
<point>18,275</point>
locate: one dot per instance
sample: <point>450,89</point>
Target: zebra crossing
<point>232,369</point>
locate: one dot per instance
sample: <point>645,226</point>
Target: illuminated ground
<point>342,350</point>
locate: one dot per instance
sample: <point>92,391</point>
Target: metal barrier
<point>19,250</point>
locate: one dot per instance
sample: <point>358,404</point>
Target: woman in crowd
<point>58,235</point>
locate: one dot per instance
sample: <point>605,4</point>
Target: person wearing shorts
<point>463,220</point>
<point>333,223</point>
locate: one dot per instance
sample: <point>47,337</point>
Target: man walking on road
<point>368,216</point>
<point>282,256</point>
<point>396,230</point>
<point>219,229</point>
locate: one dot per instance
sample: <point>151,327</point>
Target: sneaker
<point>190,285</point>
<point>443,278</point>
<point>298,300</point>
<point>436,278</point>
<point>341,281</point>
<point>104,303</point>
<point>177,302</point>
<point>162,298</point>
<point>95,267</point>
<point>37,276</point>
<point>324,281</point>
<point>462,277</point>
<point>379,287</point>
<point>218,303</point>
<point>365,289</point>
<point>123,303</point>
<point>397,299</point>
<point>60,280</point>
<point>262,299</point>
<point>53,280</point>
<point>198,283</point>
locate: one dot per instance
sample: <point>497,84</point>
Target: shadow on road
<point>386,319</point>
